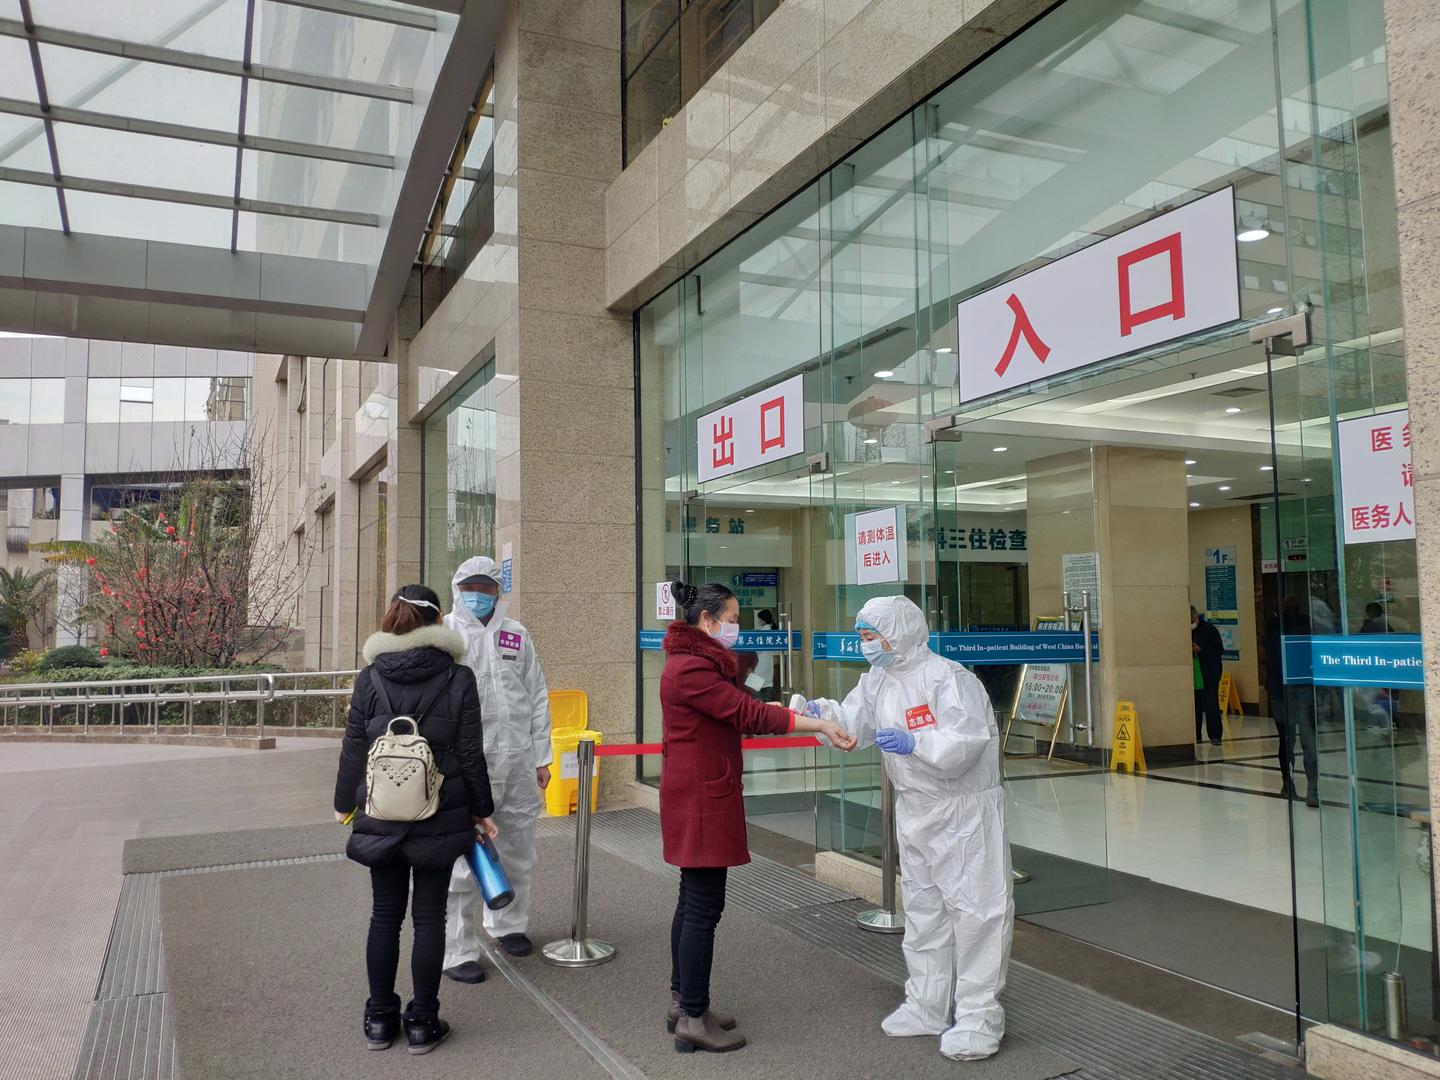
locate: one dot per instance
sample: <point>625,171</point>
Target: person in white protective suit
<point>933,722</point>
<point>515,716</point>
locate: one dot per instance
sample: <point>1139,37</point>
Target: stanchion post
<point>580,950</point>
<point>886,919</point>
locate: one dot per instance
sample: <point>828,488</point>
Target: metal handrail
<point>260,688</point>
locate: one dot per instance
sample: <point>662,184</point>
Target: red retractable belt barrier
<point>793,742</point>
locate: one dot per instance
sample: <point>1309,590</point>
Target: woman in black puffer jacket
<point>418,662</point>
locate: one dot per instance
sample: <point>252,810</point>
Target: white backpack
<point>402,779</point>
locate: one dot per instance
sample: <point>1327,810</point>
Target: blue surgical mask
<point>874,651</point>
<point>479,604</point>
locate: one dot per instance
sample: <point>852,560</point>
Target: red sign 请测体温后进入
<point>1174,275</point>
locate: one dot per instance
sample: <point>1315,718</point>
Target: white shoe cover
<point>906,1021</point>
<point>968,1045</point>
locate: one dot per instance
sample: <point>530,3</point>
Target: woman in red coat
<point>702,811</point>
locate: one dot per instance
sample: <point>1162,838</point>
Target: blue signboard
<point>1392,661</point>
<point>769,580</point>
<point>750,640</point>
<point>1026,647</point>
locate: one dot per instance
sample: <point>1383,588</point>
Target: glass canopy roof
<point>264,127</point>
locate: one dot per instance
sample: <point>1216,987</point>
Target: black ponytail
<point>692,600</point>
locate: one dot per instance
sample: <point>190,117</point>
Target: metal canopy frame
<point>61,281</point>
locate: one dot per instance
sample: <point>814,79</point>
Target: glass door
<point>761,533</point>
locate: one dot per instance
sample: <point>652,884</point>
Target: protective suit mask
<point>874,651</point>
<point>729,634</point>
<point>479,604</point>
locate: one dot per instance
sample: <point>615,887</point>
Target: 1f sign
<point>753,431</point>
<point>1175,275</point>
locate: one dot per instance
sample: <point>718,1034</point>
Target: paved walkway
<point>68,811</point>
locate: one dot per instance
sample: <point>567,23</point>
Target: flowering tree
<point>197,579</point>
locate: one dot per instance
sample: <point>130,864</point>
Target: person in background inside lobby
<point>515,705</point>
<point>702,810</point>
<point>1209,652</point>
<point>935,727</point>
<point>1292,705</point>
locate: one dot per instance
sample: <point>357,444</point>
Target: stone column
<point>565,491</point>
<point>1129,505</point>
<point>1412,43</point>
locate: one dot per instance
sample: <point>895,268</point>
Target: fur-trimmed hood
<point>434,637</point>
<point>684,639</point>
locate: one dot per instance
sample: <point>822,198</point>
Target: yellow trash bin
<point>563,794</point>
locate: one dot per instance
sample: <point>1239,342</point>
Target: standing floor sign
<point>1126,750</point>
<point>1040,700</point>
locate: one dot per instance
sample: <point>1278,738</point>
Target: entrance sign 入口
<point>1174,275</point>
<point>1377,478</point>
<point>875,544</point>
<point>764,427</point>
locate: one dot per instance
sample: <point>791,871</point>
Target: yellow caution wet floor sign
<point>1126,748</point>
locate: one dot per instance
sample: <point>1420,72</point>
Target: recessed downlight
<point>998,449</point>
<point>1275,311</point>
<point>883,374</point>
<point>871,442</point>
<point>1194,506</point>
<point>1249,236</point>
<point>1224,487</point>
<point>1190,461</point>
<point>1267,468</point>
<point>944,349</point>
<point>1233,409</point>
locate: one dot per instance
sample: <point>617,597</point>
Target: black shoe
<point>1216,742</point>
<point>382,1026</point>
<point>1312,800</point>
<point>1287,791</point>
<point>468,972</point>
<point>517,944</point>
<point>425,1033</point>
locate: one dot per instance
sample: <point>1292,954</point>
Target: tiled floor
<point>1219,828</point>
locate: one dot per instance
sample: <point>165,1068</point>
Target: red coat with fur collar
<point>702,810</point>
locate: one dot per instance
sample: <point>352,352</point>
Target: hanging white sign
<point>1175,275</point>
<point>875,546</point>
<point>764,427</point>
<point>1377,478</point>
<point>664,602</point>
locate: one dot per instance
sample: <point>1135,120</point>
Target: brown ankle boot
<point>672,1016</point>
<point>703,1033</point>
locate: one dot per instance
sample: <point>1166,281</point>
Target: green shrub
<point>70,656</point>
<point>25,662</point>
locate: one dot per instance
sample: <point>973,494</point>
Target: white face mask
<point>874,651</point>
<point>729,634</point>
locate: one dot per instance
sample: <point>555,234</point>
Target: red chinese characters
<point>1023,328</point>
<point>769,441</point>
<point>1382,439</point>
<point>723,451</point>
<point>1174,308</point>
<point>1379,517</point>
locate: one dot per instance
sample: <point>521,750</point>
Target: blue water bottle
<point>489,874</point>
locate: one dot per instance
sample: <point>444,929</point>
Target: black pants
<point>1207,713</point>
<point>692,936</point>
<point>391,885</point>
<point>1294,710</point>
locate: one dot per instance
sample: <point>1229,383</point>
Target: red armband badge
<point>919,717</point>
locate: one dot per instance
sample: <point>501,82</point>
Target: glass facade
<point>142,400</point>
<point>458,463</point>
<point>1093,121</point>
<point>670,49</point>
<point>32,401</point>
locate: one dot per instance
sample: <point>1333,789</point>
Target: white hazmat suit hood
<point>515,716</point>
<point>950,824</point>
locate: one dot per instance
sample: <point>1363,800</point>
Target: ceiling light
<point>1267,468</point>
<point>871,442</point>
<point>894,482</point>
<point>1189,461</point>
<point>1233,409</point>
<point>1249,236</point>
<point>1194,506</point>
<point>949,472</point>
<point>883,374</point>
<point>944,349</point>
<point>1275,311</point>
<point>1307,480</point>
<point>749,511</point>
<point>1224,487</point>
<point>999,449</point>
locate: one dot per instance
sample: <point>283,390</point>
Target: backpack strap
<point>379,685</point>
<point>425,709</point>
